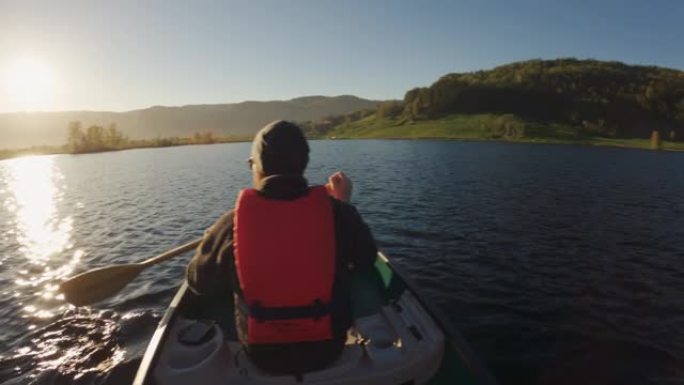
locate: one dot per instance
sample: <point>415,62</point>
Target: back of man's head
<point>280,148</point>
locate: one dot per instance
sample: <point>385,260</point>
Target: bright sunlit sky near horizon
<point>123,55</point>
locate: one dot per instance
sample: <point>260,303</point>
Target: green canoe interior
<point>460,365</point>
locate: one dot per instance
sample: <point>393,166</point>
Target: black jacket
<point>212,270</point>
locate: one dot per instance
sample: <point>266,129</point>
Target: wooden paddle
<point>98,284</point>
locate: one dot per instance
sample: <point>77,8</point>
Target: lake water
<point>560,264</point>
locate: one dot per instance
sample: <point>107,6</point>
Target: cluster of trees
<point>613,99</point>
<point>94,138</point>
<point>320,128</point>
<point>97,138</point>
<point>608,99</point>
<point>205,137</point>
<point>390,109</point>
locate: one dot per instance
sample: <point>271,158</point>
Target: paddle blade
<point>98,284</point>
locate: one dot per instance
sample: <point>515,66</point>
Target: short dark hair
<point>280,148</point>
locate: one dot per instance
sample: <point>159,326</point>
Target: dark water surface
<point>560,264</point>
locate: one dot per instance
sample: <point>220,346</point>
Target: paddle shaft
<point>104,282</point>
<point>171,253</point>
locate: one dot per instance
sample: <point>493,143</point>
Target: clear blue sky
<point>121,55</point>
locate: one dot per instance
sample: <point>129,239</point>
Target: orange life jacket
<point>285,263</point>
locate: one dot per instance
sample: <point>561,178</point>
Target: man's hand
<point>339,186</point>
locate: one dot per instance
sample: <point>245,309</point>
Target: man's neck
<point>286,187</point>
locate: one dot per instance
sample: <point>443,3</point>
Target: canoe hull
<point>427,349</point>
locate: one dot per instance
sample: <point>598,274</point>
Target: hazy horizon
<point>123,56</point>
<point>139,108</point>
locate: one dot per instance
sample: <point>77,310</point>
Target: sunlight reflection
<point>39,231</point>
<point>41,234</point>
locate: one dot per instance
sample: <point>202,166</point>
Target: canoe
<point>195,343</point>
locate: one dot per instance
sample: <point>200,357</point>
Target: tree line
<point>607,99</point>
<point>97,138</point>
<point>320,128</point>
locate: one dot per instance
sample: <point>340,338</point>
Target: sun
<point>28,84</point>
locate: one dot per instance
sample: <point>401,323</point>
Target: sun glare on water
<point>28,84</point>
<point>41,234</point>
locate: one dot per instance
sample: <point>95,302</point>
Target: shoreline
<point>601,142</point>
<point>61,150</point>
<point>488,127</point>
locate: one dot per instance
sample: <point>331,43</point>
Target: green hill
<point>553,101</point>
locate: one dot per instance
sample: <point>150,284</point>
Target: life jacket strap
<point>260,313</point>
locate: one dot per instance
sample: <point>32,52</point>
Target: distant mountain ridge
<point>245,118</point>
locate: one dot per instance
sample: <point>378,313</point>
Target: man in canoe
<point>286,253</point>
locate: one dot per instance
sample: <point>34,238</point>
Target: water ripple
<point>561,264</point>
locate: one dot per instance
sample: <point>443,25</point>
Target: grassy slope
<point>481,127</point>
